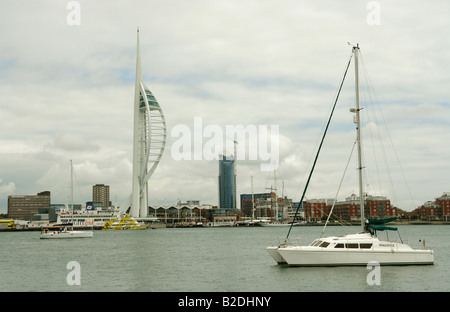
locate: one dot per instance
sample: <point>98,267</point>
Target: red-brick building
<point>315,209</point>
<point>444,205</point>
<point>374,207</point>
<point>434,210</point>
<point>429,210</point>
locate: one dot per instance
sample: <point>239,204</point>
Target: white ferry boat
<point>88,218</point>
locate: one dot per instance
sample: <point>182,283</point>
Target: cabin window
<point>324,244</point>
<point>352,245</point>
<point>365,246</point>
<point>339,245</point>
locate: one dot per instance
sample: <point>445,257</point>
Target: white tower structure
<point>149,140</point>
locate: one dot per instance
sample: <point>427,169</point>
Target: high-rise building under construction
<point>227,182</point>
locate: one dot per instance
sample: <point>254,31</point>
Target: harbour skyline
<point>67,92</point>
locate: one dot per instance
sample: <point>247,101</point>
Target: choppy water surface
<point>203,259</point>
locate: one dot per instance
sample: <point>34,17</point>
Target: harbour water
<point>204,260</point>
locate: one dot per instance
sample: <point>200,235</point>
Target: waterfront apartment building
<point>100,194</point>
<point>227,182</point>
<point>439,209</point>
<point>21,206</point>
<point>428,211</point>
<point>349,210</point>
<point>267,206</point>
<point>246,203</point>
<point>444,204</point>
<point>315,209</point>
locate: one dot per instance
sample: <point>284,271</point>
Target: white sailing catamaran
<point>353,249</point>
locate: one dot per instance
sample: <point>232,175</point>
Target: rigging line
<point>339,188</point>
<point>269,174</point>
<point>311,156</point>
<point>371,123</point>
<point>367,98</point>
<point>377,131</point>
<point>392,145</point>
<point>310,160</point>
<point>78,185</point>
<point>320,146</point>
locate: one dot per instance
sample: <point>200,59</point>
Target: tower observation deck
<point>149,140</point>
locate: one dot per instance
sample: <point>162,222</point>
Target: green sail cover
<point>374,225</point>
<point>382,227</point>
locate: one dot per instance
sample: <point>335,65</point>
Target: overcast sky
<point>67,91</point>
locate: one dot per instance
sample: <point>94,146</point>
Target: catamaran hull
<point>273,251</point>
<point>295,256</point>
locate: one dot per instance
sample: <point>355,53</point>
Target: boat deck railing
<point>420,244</point>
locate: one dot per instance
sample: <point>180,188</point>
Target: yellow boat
<point>125,222</point>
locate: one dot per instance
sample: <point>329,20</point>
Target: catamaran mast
<point>71,191</point>
<point>358,135</point>
<point>253,202</point>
